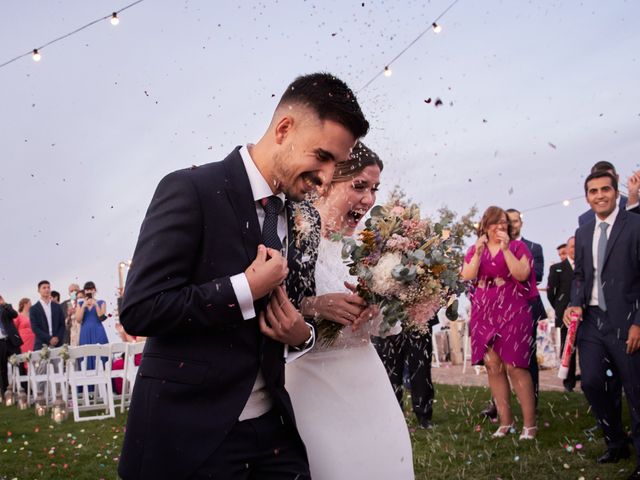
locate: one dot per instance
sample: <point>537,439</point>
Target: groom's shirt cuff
<point>242,290</point>
<point>290,353</point>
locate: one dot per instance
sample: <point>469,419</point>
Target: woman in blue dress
<point>90,314</point>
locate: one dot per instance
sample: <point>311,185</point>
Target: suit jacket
<point>201,357</point>
<point>589,215</point>
<point>620,272</point>
<point>7,314</point>
<point>40,326</point>
<point>559,288</point>
<point>537,307</point>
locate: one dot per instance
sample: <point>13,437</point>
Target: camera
<point>88,295</point>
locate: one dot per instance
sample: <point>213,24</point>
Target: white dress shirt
<point>47,311</point>
<point>259,401</point>
<point>594,249</point>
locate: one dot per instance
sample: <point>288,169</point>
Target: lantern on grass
<point>8,397</point>
<point>23,403</point>
<point>41,406</point>
<point>59,411</point>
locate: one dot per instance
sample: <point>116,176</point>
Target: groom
<point>205,287</point>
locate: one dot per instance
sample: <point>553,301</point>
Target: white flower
<point>382,282</point>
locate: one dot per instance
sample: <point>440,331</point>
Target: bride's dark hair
<point>361,157</point>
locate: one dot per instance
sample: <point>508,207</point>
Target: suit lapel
<point>618,226</point>
<point>588,253</point>
<point>241,199</point>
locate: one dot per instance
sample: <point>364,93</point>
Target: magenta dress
<point>500,313</point>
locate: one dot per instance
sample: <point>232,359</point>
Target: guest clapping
<point>501,324</point>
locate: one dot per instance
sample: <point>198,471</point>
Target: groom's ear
<point>283,129</point>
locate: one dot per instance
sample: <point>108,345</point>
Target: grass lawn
<point>458,447</point>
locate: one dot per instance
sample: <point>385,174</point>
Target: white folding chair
<point>131,372</point>
<point>466,346</point>
<point>436,354</point>
<point>38,377</point>
<point>82,378</point>
<point>57,375</point>
<point>17,378</point>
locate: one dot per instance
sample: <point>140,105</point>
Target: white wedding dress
<point>345,408</point>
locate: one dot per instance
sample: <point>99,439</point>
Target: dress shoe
<point>491,412</point>
<point>613,455</point>
<point>425,425</point>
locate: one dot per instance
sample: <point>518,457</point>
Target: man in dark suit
<point>631,204</point>
<point>209,399</point>
<point>414,349</point>
<point>606,294</point>
<point>47,319</point>
<point>10,341</point>
<point>559,294</point>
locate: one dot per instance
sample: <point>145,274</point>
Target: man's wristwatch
<point>307,343</point>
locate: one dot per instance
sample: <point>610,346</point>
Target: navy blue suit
<point>40,326</point>
<point>201,358</point>
<point>601,336</point>
<point>537,311</point>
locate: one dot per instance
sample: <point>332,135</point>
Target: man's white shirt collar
<point>259,186</point>
<point>610,219</point>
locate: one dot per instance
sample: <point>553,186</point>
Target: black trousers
<point>4,376</point>
<point>414,350</point>
<point>263,448</point>
<point>538,313</point>
<point>603,362</point>
<point>570,381</point>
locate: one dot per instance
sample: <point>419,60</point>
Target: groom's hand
<point>266,272</point>
<point>282,322</point>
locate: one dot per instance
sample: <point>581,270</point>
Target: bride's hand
<point>368,314</point>
<point>343,308</point>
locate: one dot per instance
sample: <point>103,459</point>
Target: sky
<point>533,93</point>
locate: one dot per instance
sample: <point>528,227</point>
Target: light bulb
<point>114,19</point>
<point>436,28</point>
<point>36,55</point>
<point>566,203</point>
<point>387,71</point>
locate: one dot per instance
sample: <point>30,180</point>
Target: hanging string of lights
<point>435,26</point>
<point>36,54</point>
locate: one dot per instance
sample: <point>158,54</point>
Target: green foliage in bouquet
<point>409,265</point>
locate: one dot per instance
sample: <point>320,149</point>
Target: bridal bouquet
<point>408,265</point>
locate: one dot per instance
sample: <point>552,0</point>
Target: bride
<point>346,410</point>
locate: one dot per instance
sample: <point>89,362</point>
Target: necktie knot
<point>604,226</point>
<point>272,205</point>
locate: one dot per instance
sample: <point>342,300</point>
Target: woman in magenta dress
<point>501,324</point>
<point>23,324</point>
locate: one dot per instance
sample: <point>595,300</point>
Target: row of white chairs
<point>90,389</point>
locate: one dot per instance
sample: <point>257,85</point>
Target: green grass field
<point>458,447</point>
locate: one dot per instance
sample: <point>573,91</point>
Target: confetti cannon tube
<point>569,346</point>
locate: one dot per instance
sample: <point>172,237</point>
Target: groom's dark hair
<point>330,98</point>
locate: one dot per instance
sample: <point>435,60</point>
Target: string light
<point>387,71</point>
<point>436,28</point>
<point>565,203</point>
<point>35,53</point>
